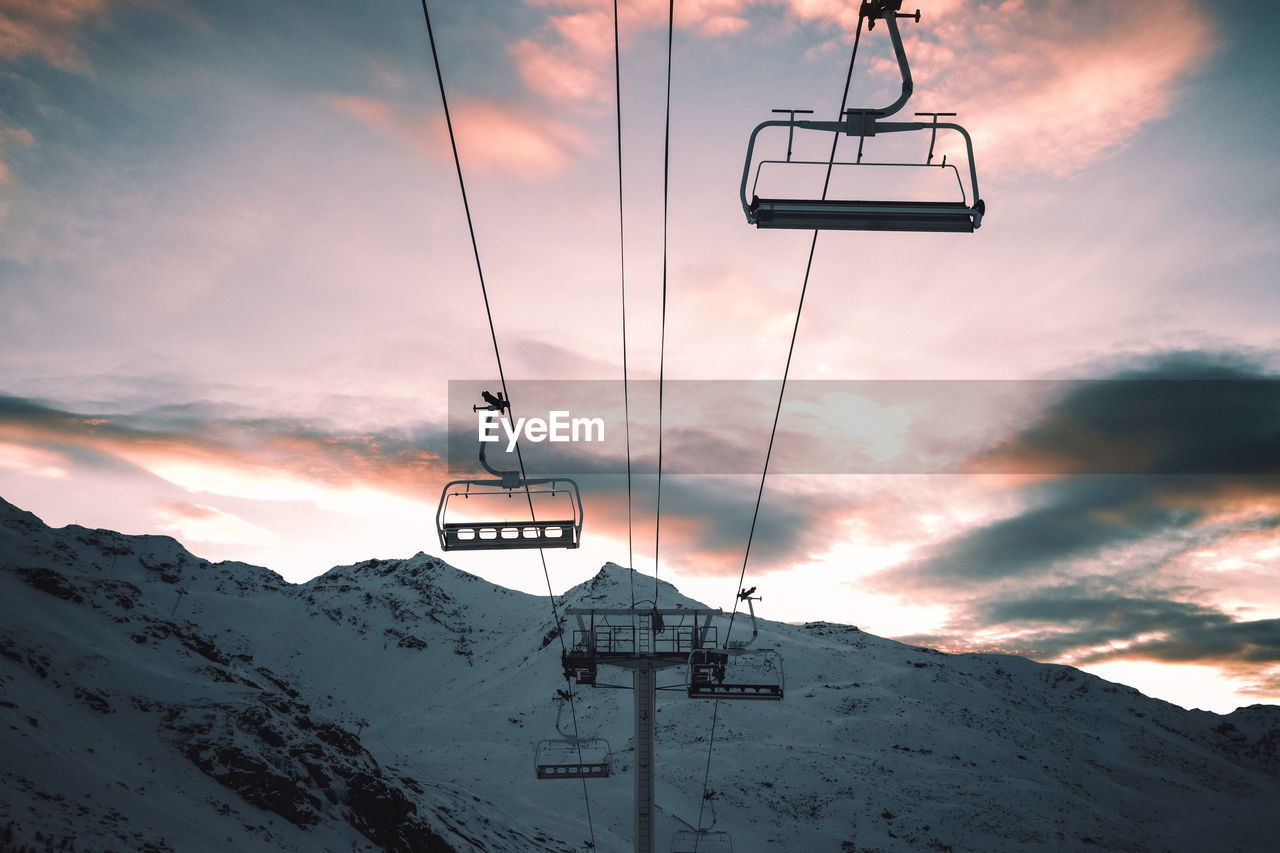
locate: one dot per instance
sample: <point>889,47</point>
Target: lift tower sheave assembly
<point>644,640</point>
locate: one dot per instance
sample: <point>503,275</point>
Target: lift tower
<point>643,641</point>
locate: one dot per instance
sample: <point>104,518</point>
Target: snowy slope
<point>152,700</point>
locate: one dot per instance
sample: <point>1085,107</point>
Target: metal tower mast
<point>644,641</point>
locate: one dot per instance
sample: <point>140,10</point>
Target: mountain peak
<point>619,586</point>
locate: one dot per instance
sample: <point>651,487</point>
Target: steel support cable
<point>622,277</point>
<point>493,335</point>
<point>662,344</point>
<point>764,473</point>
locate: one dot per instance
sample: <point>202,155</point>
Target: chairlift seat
<point>856,215</point>
<point>566,758</point>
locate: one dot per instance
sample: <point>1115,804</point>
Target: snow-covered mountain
<point>151,700</point>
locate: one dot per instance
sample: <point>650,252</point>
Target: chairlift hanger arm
<point>507,477</point>
<point>887,10</point>
<point>745,595</point>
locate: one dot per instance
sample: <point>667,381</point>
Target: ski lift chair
<point>461,534</point>
<point>735,673</point>
<point>962,214</point>
<point>701,841</point>
<point>570,756</point>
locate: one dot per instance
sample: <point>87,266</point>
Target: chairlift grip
<point>886,9</point>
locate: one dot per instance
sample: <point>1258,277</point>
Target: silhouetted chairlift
<point>700,840</point>
<point>736,672</point>
<point>460,533</point>
<point>570,757</point>
<point>861,214</point>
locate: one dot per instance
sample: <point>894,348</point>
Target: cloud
<point>571,58</point>
<point>706,521</point>
<point>552,70</point>
<point>1193,435</point>
<point>200,523</point>
<point>47,29</point>
<point>221,455</point>
<point>33,460</point>
<point>20,135</point>
<point>1137,566</point>
<point>493,139</point>
<point>1093,621</point>
<point>232,455</point>
<point>260,458</point>
<point>1183,414</point>
<point>1055,87</point>
<point>1043,87</point>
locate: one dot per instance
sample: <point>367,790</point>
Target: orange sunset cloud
<point>494,139</point>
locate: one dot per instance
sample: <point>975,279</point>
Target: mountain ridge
<point>395,704</point>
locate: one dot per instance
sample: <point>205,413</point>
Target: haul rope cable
<point>662,344</point>
<point>457,162</point>
<point>764,473</point>
<point>622,276</point>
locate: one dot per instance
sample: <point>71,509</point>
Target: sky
<point>239,305</point>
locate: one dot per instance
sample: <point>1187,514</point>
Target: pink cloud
<point>265,460</point>
<point>47,29</point>
<point>553,71</point>
<point>571,59</point>
<point>1042,87</point>
<point>201,523</point>
<point>592,31</point>
<point>1054,88</point>
<point>493,139</point>
<point>17,134</point>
